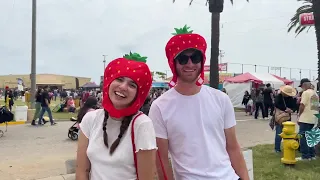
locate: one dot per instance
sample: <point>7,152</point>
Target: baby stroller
<point>73,130</point>
<point>5,117</point>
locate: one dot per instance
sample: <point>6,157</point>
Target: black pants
<point>259,105</point>
<point>268,105</point>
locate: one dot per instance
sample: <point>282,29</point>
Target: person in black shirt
<point>284,101</point>
<point>268,100</point>
<point>45,105</point>
<point>38,107</point>
<point>8,94</point>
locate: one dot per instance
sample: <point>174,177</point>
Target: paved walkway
<point>29,152</point>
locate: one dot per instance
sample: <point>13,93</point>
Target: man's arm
<point>232,146</point>
<point>162,142</point>
<point>163,152</point>
<point>237,160</point>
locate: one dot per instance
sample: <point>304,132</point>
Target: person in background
<point>45,106</point>
<point>245,100</point>
<point>8,94</point>
<point>38,107</point>
<point>71,105</point>
<point>268,100</point>
<point>259,104</point>
<point>284,101</point>
<point>309,106</point>
<point>146,106</point>
<point>89,105</point>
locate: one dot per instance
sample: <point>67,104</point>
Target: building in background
<point>52,80</point>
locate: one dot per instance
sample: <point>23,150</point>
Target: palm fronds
<point>294,21</point>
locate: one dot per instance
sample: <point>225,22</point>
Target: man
<point>195,123</point>
<point>268,101</point>
<point>308,107</point>
<point>45,106</point>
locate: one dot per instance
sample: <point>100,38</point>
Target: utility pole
<point>104,62</point>
<point>33,53</point>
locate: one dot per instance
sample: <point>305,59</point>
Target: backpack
<point>134,149</point>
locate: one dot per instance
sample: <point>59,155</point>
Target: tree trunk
<point>316,13</point>
<point>214,59</point>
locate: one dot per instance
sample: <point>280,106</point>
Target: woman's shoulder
<point>142,118</point>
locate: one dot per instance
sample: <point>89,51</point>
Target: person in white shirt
<point>193,122</point>
<point>118,142</point>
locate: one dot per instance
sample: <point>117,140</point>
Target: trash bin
<point>21,113</point>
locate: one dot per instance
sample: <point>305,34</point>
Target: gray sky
<point>74,34</point>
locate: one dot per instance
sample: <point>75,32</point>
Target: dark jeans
<point>268,105</point>
<point>278,139</point>
<point>43,110</point>
<point>259,105</point>
<point>306,151</point>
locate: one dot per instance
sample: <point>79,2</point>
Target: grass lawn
<point>267,166</point>
<point>56,116</point>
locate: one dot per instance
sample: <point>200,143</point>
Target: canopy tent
<point>236,86</point>
<point>90,85</point>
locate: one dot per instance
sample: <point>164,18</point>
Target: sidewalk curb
<point>28,122</point>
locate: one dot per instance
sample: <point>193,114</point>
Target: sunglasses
<point>196,58</point>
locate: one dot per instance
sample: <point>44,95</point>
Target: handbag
<point>281,116</point>
<point>134,149</point>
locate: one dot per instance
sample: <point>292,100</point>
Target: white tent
<point>236,86</point>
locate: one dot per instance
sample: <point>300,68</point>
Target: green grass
<point>56,116</point>
<point>267,166</point>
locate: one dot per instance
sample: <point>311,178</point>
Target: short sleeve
<point>87,123</point>
<point>305,98</point>
<point>158,123</point>
<point>145,138</point>
<point>229,115</point>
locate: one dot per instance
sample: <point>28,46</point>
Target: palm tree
<point>215,8</point>
<point>308,7</point>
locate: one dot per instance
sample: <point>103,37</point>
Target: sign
<point>160,85</point>
<point>222,67</point>
<point>306,19</point>
<point>224,76</point>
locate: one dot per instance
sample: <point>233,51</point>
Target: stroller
<point>73,130</point>
<point>5,117</point>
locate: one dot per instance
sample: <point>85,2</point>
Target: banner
<point>222,67</point>
<point>224,76</point>
<point>306,19</point>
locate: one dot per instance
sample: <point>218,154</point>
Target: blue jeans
<point>43,110</point>
<point>306,151</point>
<point>278,139</point>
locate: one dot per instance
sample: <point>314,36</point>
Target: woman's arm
<point>146,164</point>
<point>83,164</point>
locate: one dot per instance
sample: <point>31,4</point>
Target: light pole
<point>33,53</point>
<point>104,62</point>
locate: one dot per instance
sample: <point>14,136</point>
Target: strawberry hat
<point>132,66</point>
<point>182,40</point>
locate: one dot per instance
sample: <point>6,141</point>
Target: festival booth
<point>236,86</point>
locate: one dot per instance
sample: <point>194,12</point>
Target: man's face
<point>306,85</point>
<point>188,65</point>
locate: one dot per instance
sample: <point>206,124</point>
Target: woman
<point>245,100</point>
<point>89,105</point>
<point>109,148</point>
<point>71,105</point>
<point>284,102</point>
<point>38,107</point>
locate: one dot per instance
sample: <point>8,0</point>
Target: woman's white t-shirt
<point>120,165</point>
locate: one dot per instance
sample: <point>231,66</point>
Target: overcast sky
<point>72,35</point>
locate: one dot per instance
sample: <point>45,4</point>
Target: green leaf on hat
<point>317,115</point>
<point>135,57</point>
<point>313,137</point>
<point>184,30</point>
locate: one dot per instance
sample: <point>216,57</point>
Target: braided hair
<point>123,128</point>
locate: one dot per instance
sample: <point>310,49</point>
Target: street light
<point>33,53</point>
<point>104,62</point>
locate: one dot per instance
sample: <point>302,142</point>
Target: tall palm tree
<point>215,8</point>
<point>309,6</point>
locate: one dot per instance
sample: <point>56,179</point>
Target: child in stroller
<point>89,105</point>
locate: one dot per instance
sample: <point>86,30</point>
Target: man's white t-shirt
<point>194,126</point>
<point>119,165</point>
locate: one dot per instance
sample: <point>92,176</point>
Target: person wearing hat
<point>309,106</point>
<point>284,102</point>
<point>118,142</point>
<point>194,122</point>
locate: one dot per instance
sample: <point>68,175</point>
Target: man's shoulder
<point>207,90</point>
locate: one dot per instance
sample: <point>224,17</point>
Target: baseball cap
<point>304,80</point>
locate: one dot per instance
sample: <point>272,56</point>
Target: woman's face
<point>122,92</point>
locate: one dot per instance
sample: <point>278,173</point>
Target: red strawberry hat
<point>132,66</point>
<point>184,39</point>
